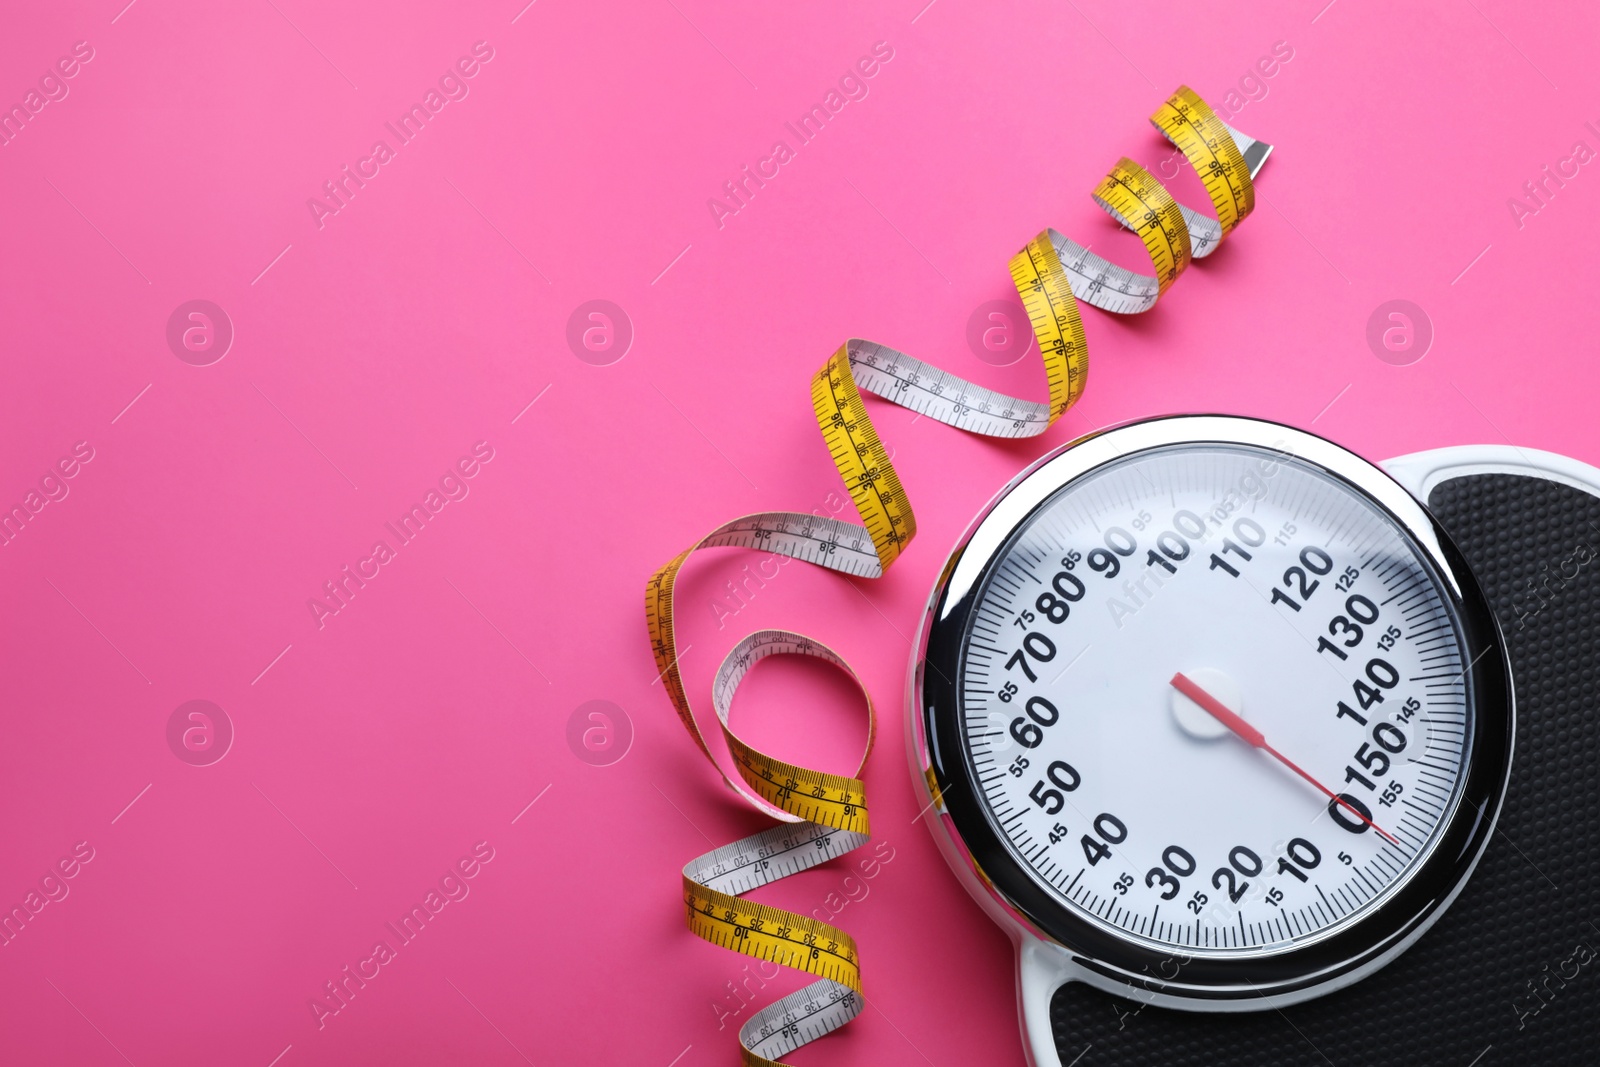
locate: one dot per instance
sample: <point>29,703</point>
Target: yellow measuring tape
<point>822,816</point>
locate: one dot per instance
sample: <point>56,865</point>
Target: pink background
<point>374,752</point>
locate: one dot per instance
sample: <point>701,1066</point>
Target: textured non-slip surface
<point>1529,914</point>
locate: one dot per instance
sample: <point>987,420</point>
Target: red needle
<point>1253,737</point>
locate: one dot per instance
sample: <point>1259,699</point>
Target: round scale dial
<point>1214,697</point>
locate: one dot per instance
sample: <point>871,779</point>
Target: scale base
<point>1510,974</point>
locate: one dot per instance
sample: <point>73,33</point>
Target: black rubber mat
<point>1511,973</point>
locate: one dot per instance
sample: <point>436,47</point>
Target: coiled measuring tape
<point>822,816</point>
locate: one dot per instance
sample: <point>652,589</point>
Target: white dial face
<point>1174,666</point>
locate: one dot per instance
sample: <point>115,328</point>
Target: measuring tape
<point>822,816</point>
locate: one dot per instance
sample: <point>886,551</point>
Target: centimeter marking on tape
<point>822,816</point>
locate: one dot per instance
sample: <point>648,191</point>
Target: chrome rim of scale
<point>1211,713</point>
